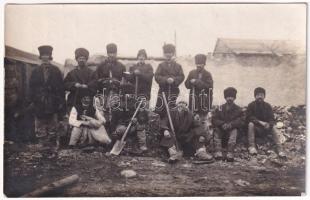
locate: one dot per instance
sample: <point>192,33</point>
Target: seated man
<point>87,124</point>
<point>122,111</point>
<point>226,120</point>
<point>261,121</point>
<point>189,134</point>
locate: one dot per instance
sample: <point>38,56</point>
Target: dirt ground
<point>28,167</point>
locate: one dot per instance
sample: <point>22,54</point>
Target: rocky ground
<point>27,167</point>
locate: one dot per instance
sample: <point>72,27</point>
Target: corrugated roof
<point>251,46</point>
<point>16,54</point>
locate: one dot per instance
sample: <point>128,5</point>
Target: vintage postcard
<point>155,100</point>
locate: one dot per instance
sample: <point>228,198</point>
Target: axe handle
<point>129,125</point>
<point>170,121</point>
<point>193,99</point>
<point>136,86</point>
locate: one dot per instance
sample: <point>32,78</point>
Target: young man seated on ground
<point>189,132</point>
<point>227,120</point>
<point>260,119</point>
<point>88,124</point>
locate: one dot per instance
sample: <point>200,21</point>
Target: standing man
<point>109,74</point>
<point>200,83</point>
<point>46,94</point>
<point>261,122</point>
<point>169,75</point>
<point>77,81</point>
<point>142,76</point>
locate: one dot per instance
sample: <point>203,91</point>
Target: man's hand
<point>226,126</point>
<point>137,72</point>
<point>193,81</point>
<point>134,120</point>
<point>266,125</point>
<point>170,80</point>
<point>77,85</point>
<point>167,134</point>
<point>84,86</point>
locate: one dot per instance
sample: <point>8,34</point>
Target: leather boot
<point>141,135</point>
<point>174,156</point>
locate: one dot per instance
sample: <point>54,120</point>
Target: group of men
<point>104,120</point>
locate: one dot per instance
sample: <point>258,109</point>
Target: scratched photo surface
<point>76,124</point>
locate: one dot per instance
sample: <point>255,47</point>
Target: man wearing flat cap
<point>169,75</point>
<point>189,132</point>
<point>227,119</point>
<point>142,76</point>
<point>200,83</point>
<point>78,81</point>
<point>261,121</point>
<point>46,94</point>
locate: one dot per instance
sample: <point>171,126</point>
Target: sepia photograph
<point>154,100</point>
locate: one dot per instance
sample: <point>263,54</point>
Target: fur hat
<point>259,90</point>
<point>169,48</point>
<point>142,52</point>
<point>81,52</point>
<point>45,50</point>
<point>111,48</point>
<point>200,59</point>
<point>230,92</point>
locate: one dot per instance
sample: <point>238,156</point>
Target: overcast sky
<point>131,27</point>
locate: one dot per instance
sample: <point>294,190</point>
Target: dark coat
<point>184,125</point>
<point>82,76</point>
<point>144,80</point>
<point>260,111</point>
<point>203,90</point>
<point>103,73</point>
<point>234,116</point>
<point>166,70</point>
<point>47,96</point>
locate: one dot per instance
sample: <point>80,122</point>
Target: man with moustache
<point>78,81</point>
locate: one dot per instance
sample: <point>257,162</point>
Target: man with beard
<point>78,81</point>
<point>261,121</point>
<point>142,74</point>
<point>200,83</point>
<point>189,134</point>
<point>46,94</point>
<point>169,75</point>
<point>226,120</point>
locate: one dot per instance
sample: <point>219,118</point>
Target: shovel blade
<point>118,147</point>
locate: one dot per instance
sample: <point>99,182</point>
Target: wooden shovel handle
<point>129,125</point>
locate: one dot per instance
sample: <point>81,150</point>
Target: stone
<point>128,173</point>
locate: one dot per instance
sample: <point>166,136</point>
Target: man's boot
<point>174,155</point>
<point>218,155</point>
<point>251,139</point>
<point>202,154</point>
<point>141,135</point>
<point>280,151</point>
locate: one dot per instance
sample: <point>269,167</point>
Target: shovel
<point>193,100</point>
<point>119,144</point>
